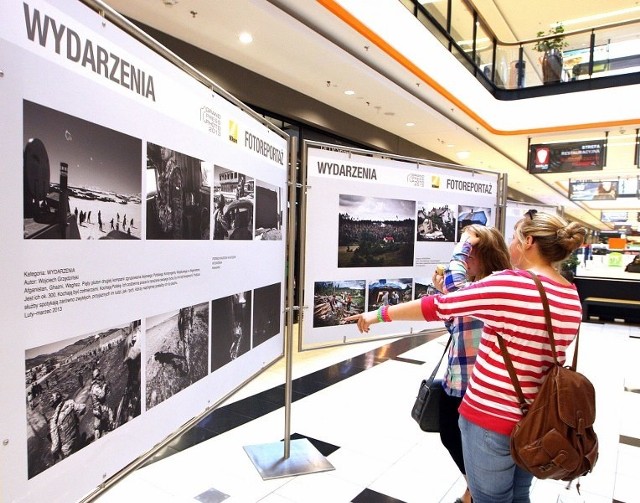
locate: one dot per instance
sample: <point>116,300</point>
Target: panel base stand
<point>303,458</point>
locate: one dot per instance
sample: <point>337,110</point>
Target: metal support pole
<point>287,458</point>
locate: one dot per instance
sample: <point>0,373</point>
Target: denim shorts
<point>492,475</point>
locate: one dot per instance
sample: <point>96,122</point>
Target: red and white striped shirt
<point>508,302</point>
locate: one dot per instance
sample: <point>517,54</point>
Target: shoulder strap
<point>435,370</point>
<point>507,359</point>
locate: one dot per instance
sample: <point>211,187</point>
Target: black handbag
<point>426,409</point>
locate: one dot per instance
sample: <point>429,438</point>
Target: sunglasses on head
<point>530,213</point>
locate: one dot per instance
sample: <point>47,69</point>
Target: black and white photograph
<point>268,212</point>
<point>473,215</point>
<point>436,222</point>
<point>267,313</point>
<point>230,328</point>
<point>81,180</point>
<point>178,195</point>
<point>389,292</point>
<point>176,351</point>
<point>333,301</point>
<point>233,202</point>
<point>375,232</point>
<point>78,390</point>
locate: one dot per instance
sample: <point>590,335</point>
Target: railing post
<point>592,45</point>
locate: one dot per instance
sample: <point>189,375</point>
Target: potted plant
<point>569,266</point>
<point>552,58</point>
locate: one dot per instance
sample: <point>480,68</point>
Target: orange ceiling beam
<point>344,15</point>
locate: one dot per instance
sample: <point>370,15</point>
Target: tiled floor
<point>353,405</point>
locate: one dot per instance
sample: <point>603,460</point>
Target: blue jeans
<point>492,475</point>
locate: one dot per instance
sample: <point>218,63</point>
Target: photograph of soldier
<point>335,300</point>
<point>176,351</point>
<point>468,215</point>
<point>436,222</point>
<point>230,328</point>
<point>267,313</point>
<point>178,196</point>
<point>268,212</point>
<point>233,203</point>
<point>78,176</point>
<point>389,292</point>
<point>375,232</point>
<point>75,391</point>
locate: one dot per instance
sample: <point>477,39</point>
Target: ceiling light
<point>349,92</point>
<point>169,3</point>
<point>245,37</point>
<point>463,154</point>
<point>410,124</point>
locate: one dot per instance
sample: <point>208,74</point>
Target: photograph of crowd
<point>268,212</point>
<point>233,198</point>
<point>178,195</point>
<point>230,328</point>
<point>375,232</point>
<point>267,313</point>
<point>79,390</point>
<point>388,292</point>
<point>469,215</point>
<point>335,300</point>
<point>176,351</point>
<point>81,180</point>
<point>436,223</point>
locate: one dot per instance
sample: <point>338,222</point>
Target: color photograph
<point>335,300</point>
<point>389,292</point>
<point>375,232</point>
<point>470,215</point>
<point>436,222</point>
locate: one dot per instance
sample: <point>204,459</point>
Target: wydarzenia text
<point>68,43</point>
<point>367,173</point>
<point>346,170</point>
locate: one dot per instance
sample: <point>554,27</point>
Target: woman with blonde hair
<point>509,305</point>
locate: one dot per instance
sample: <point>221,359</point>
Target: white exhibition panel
<point>377,224</point>
<point>515,211</point>
<point>149,150</point>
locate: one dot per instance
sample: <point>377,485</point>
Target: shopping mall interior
<point>458,82</point>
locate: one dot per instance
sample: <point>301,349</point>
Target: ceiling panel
<point>302,45</point>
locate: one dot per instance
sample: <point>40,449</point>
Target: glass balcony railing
<point>597,57</point>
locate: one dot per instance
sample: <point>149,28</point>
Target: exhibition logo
<point>233,131</point>
<point>212,119</point>
<point>415,179</point>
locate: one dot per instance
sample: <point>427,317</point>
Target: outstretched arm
<point>407,311</point>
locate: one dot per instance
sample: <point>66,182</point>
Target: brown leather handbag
<point>555,437</point>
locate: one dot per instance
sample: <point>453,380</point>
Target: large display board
<point>375,228</point>
<point>143,248</point>
<point>515,211</point>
